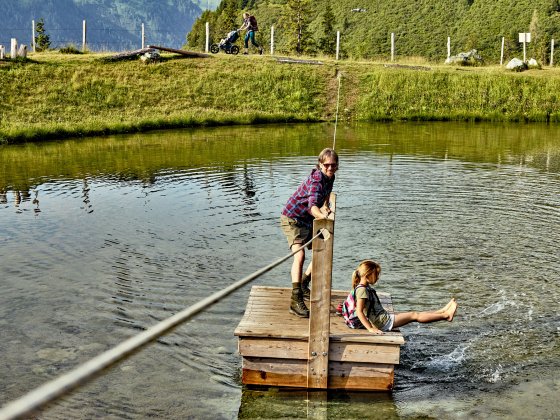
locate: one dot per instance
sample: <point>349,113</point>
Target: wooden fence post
<point>320,302</point>
<point>502,53</point>
<point>392,46</point>
<point>207,37</point>
<point>448,47</point>
<point>552,53</point>
<point>337,44</point>
<point>13,49</point>
<point>143,37</point>
<point>84,38</point>
<point>272,40</point>
<point>33,45</point>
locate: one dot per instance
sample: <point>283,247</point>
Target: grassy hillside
<point>421,27</point>
<point>55,96</point>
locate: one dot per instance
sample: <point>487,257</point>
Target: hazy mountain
<point>113,25</point>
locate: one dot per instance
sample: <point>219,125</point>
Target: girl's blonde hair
<point>365,269</point>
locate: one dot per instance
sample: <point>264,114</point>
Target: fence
<point>93,38</point>
<point>136,38</point>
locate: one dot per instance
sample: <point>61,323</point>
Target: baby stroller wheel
<point>214,48</point>
<point>235,50</point>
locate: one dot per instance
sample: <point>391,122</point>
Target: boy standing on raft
<point>250,24</point>
<point>309,202</point>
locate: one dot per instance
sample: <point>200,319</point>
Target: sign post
<point>524,37</point>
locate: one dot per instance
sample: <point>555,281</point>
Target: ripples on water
<point>109,249</point>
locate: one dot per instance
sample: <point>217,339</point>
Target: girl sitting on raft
<point>362,308</point>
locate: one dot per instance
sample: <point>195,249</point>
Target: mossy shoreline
<point>54,96</point>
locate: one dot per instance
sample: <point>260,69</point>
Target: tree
<point>327,42</point>
<point>296,16</point>
<point>42,40</point>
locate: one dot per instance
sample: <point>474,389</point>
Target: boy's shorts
<point>296,233</point>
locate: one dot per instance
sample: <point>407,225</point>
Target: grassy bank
<point>55,96</point>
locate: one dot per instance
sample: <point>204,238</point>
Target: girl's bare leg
<point>426,317</point>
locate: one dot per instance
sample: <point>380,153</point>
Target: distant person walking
<point>251,26</point>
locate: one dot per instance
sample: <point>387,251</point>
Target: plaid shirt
<point>314,191</point>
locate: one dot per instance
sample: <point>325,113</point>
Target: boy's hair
<point>365,268</point>
<point>327,153</point>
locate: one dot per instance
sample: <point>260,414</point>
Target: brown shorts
<point>296,233</point>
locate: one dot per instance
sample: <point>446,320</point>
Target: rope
<point>336,115</point>
<point>50,391</point>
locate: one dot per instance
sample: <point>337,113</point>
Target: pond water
<point>102,238</point>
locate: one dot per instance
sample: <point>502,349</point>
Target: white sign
<point>525,37</point>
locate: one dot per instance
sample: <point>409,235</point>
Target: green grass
<point>58,95</point>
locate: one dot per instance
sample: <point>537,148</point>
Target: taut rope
<point>52,390</point>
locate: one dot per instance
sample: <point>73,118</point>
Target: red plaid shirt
<point>314,191</point>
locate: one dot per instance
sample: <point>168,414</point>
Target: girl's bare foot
<point>451,310</point>
<point>446,307</point>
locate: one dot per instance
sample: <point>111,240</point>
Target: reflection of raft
<point>321,352</point>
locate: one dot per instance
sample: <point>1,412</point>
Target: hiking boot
<point>297,305</point>
<point>305,281</point>
<point>245,51</point>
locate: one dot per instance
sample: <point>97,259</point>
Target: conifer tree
<point>327,42</point>
<point>296,17</point>
<point>42,40</point>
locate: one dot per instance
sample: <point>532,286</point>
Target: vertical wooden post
<point>448,47</point>
<point>551,52</point>
<point>33,45</point>
<point>320,301</point>
<point>143,37</point>
<point>84,39</point>
<point>502,53</point>
<point>337,44</point>
<point>13,49</point>
<point>524,48</point>
<point>2,52</point>
<point>272,40</point>
<point>207,36</point>
<point>392,46</point>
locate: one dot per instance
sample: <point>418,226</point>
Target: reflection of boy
<point>250,24</point>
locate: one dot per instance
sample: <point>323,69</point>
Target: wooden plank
<point>182,52</point>
<point>320,301</point>
<point>361,377</point>
<point>292,373</point>
<point>338,352</point>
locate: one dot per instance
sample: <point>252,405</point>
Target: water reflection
<point>465,210</point>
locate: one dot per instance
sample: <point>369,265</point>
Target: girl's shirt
<point>373,309</point>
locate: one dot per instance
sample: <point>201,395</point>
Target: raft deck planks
<point>274,346</point>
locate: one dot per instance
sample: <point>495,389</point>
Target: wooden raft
<point>281,349</point>
<point>274,346</point>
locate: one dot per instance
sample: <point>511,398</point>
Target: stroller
<point>226,44</point>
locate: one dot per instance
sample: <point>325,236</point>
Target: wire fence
<point>98,39</point>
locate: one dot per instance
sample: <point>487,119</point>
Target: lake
<point>101,238</point>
